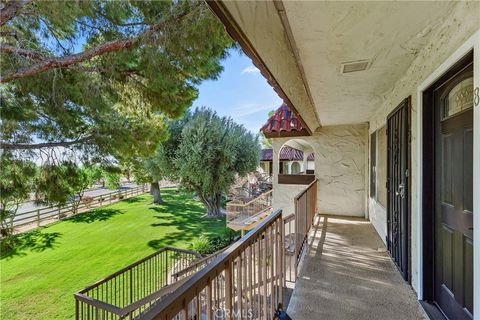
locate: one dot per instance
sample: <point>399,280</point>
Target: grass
<point>39,278</point>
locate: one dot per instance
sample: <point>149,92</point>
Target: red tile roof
<point>283,123</point>
<point>287,153</point>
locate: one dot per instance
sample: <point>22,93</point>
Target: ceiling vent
<point>354,66</point>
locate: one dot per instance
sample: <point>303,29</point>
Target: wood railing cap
<point>190,288</point>
<point>306,189</point>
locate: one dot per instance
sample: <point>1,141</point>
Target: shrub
<point>202,245</point>
<point>205,245</point>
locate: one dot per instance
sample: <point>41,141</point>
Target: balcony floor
<point>347,274</point>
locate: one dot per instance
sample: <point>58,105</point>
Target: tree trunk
<point>155,192</point>
<point>213,204</point>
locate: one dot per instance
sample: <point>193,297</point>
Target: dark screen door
<point>453,261</point>
<point>398,186</point>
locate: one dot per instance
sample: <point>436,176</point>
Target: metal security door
<point>398,186</point>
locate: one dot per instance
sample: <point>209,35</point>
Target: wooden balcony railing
<point>245,281</point>
<point>297,226</point>
<point>128,292</point>
<point>241,215</point>
<point>305,210</point>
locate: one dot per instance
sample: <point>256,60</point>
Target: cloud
<point>248,109</point>
<point>250,69</point>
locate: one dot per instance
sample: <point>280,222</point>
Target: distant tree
<point>162,164</point>
<point>16,183</point>
<point>212,152</point>
<point>78,181</point>
<point>62,184</point>
<point>143,173</point>
<point>112,179</point>
<point>266,143</point>
<point>95,174</point>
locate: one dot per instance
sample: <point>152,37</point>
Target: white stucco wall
<point>340,167</point>
<point>283,197</point>
<point>456,29</point>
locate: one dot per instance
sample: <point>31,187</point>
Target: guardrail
<point>305,210</point>
<point>245,281</point>
<point>297,226</point>
<point>290,248</point>
<point>37,216</point>
<point>238,212</point>
<point>130,291</point>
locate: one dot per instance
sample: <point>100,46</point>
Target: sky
<point>241,92</point>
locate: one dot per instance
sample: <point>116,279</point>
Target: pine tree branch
<point>108,47</point>
<point>31,146</point>
<point>22,52</point>
<point>11,9</point>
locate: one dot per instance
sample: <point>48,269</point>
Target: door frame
<point>422,280</point>
<point>407,102</point>
<point>428,152</point>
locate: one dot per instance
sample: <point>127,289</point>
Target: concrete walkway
<point>347,274</point>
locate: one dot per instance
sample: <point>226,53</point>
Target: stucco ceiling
<point>299,144</point>
<point>389,34</point>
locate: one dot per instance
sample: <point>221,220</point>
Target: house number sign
<point>476,97</point>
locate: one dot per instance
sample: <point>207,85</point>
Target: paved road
<point>30,205</point>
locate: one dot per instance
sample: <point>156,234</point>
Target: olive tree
<point>212,151</point>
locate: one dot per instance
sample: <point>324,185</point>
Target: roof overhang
<point>279,67</point>
<point>305,49</point>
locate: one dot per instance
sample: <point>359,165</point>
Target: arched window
<point>295,168</point>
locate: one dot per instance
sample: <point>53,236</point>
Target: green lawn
<point>39,279</point>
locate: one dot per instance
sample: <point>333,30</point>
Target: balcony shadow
<point>101,214</point>
<point>36,241</point>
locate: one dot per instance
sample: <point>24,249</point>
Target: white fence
<point>31,219</point>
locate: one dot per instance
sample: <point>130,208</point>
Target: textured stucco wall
<point>340,167</point>
<point>283,196</point>
<point>457,28</point>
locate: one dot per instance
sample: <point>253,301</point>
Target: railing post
<point>264,277</point>
<point>282,260</point>
<point>209,300</point>
<point>131,285</point>
<point>228,289</point>
<point>76,309</point>
<point>38,217</point>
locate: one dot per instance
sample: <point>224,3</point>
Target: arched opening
<point>296,162</point>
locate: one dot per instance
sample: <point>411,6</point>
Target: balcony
<point>347,274</point>
<point>337,267</point>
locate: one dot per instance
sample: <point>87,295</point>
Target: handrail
<point>171,306</point>
<point>305,210</point>
<point>289,218</point>
<point>194,265</point>
<point>305,190</point>
<point>134,306</point>
<point>253,200</point>
<point>135,287</point>
<point>136,263</point>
